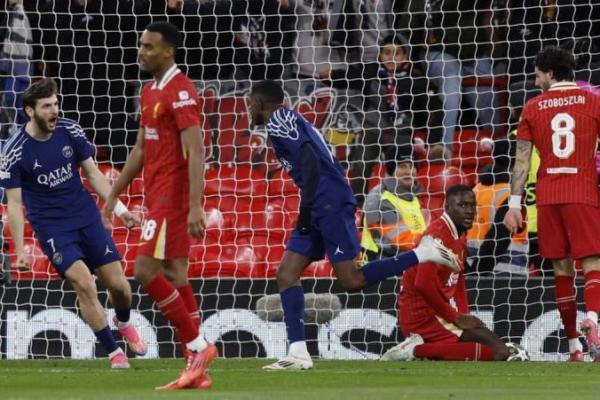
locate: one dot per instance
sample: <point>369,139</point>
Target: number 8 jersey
<point>564,125</point>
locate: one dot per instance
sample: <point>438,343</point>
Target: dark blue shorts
<point>92,244</point>
<point>333,233</point>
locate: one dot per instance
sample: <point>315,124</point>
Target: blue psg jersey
<point>288,131</point>
<point>48,174</point>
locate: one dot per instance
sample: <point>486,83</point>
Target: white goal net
<point>442,82</point>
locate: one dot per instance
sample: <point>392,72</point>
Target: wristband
<point>514,202</point>
<point>120,209</point>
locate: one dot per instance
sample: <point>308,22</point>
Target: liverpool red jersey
<point>564,125</point>
<point>168,107</point>
<point>427,289</point>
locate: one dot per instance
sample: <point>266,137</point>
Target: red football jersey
<point>428,288</point>
<point>564,125</point>
<point>168,107</point>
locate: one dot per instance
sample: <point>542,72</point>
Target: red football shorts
<point>434,330</point>
<point>165,235</point>
<point>569,230</point>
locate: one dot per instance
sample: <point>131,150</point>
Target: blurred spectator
<point>403,94</point>
<point>332,32</point>
<point>15,55</point>
<point>313,55</point>
<point>398,100</point>
<point>454,38</point>
<point>362,24</point>
<point>490,245</point>
<point>393,221</point>
<point>535,24</point>
<point>264,38</point>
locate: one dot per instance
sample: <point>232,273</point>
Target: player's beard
<point>43,124</point>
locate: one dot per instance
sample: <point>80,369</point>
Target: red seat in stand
<point>436,179</point>
<point>225,261</point>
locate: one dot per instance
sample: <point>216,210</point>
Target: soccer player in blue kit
<point>39,166</point>
<point>326,221</point>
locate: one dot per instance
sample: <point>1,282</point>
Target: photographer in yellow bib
<point>393,220</point>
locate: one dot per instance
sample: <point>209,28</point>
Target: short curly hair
<point>41,89</point>
<point>560,61</point>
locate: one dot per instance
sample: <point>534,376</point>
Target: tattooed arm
<point>513,220</point>
<point>521,169</point>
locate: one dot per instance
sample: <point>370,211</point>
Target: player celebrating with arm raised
<point>326,220</point>
<point>434,328</point>
<point>563,123</point>
<point>170,150</point>
<point>39,166</point>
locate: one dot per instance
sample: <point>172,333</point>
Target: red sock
<point>467,351</point>
<point>187,294</point>
<point>171,305</point>
<point>591,292</point>
<point>566,304</point>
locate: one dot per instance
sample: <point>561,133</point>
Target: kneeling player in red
<point>434,329</point>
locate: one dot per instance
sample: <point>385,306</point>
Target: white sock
<point>123,324</point>
<point>574,345</point>
<point>197,344</point>
<point>298,348</point>
<point>114,353</point>
<point>593,315</point>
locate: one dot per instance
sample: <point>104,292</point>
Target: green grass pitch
<point>243,379</point>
